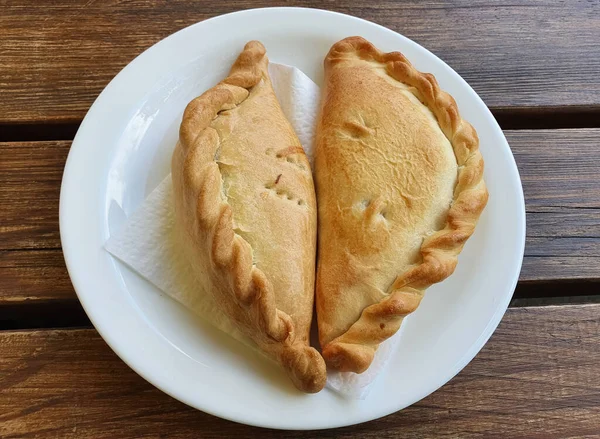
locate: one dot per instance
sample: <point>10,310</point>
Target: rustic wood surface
<point>559,169</point>
<point>30,177</point>
<point>560,173</point>
<point>32,275</point>
<point>525,383</point>
<point>55,57</point>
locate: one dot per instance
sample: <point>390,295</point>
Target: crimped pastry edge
<point>353,351</point>
<point>230,253</point>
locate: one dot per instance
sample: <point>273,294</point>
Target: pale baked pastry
<point>245,204</point>
<point>400,190</point>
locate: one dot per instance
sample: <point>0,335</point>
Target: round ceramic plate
<point>122,151</point>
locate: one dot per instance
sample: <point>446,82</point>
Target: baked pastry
<point>399,190</point>
<point>245,204</point>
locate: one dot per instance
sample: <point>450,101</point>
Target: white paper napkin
<point>148,244</point>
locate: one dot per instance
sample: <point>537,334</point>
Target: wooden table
<point>537,66</point>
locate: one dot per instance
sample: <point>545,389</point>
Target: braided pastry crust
<point>400,187</point>
<point>245,206</point>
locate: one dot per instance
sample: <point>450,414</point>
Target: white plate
<point>122,151</point>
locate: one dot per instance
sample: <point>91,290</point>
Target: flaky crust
<point>354,349</point>
<point>248,215</point>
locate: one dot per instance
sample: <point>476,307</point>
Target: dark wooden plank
<point>30,276</point>
<point>55,57</point>
<point>559,169</point>
<point>536,378</point>
<point>36,292</point>
<point>30,177</point>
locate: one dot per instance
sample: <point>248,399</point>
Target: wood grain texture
<point>33,275</point>
<point>56,56</point>
<point>536,378</point>
<point>560,174</point>
<point>559,169</point>
<point>30,177</point>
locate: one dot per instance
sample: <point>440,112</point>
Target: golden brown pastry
<point>245,203</point>
<point>400,190</point>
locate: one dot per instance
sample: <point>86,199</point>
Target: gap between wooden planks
<point>535,56</point>
<point>539,383</point>
<point>559,169</point>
